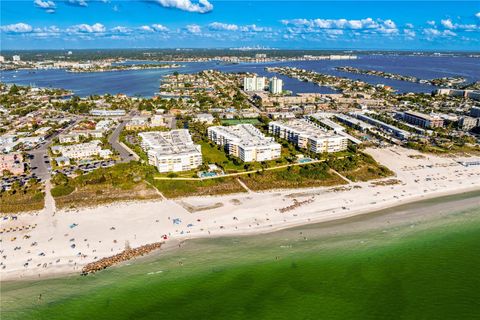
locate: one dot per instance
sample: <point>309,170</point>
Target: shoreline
<point>68,240</point>
<point>342,221</point>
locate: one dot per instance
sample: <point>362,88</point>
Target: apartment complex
<point>468,123</point>
<point>254,83</point>
<point>308,135</point>
<point>82,150</point>
<point>387,128</point>
<point>276,85</point>
<point>171,151</point>
<point>245,142</point>
<point>422,120</point>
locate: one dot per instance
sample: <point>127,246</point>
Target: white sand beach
<point>64,241</point>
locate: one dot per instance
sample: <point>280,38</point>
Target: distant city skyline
<point>374,25</point>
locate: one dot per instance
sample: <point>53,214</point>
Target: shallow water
<point>418,260</point>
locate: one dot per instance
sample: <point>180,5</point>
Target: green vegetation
<point>461,145</point>
<point>306,176</point>
<point>303,273</point>
<point>124,181</point>
<point>231,122</point>
<point>182,188</point>
<point>22,198</point>
<point>359,167</point>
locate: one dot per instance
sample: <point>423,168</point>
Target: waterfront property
<point>171,151</point>
<point>246,142</point>
<point>308,135</point>
<point>254,83</point>
<point>422,120</point>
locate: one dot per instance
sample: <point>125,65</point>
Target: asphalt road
<point>40,164</point>
<point>125,154</point>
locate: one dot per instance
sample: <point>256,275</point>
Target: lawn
<point>231,122</point>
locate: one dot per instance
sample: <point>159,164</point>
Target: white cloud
<point>254,28</point>
<point>222,26</point>
<point>367,23</point>
<point>477,15</point>
<point>193,28</point>
<point>86,28</point>
<point>409,33</point>
<point>47,5</point>
<point>153,28</point>
<point>146,28</point>
<point>431,22</point>
<point>202,6</point>
<point>447,24</point>
<point>449,33</point>
<point>159,27</point>
<point>433,33</point>
<point>409,25</point>
<point>17,28</point>
<point>80,3</point>
<point>121,29</point>
<point>218,26</point>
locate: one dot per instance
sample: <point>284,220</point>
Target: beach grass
<point>182,188</point>
<point>426,272</point>
<point>122,182</point>
<point>22,199</point>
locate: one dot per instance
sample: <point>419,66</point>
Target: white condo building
<point>276,85</point>
<point>245,142</point>
<point>82,150</point>
<point>254,83</point>
<point>307,134</point>
<point>16,58</point>
<point>107,113</point>
<point>171,151</point>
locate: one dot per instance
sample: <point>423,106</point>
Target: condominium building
<point>308,135</point>
<point>422,120</point>
<point>245,142</point>
<point>389,129</point>
<point>353,122</point>
<point>103,125</point>
<point>137,123</point>
<point>107,113</point>
<point>467,123</point>
<point>276,85</point>
<point>204,118</point>
<point>171,151</point>
<point>16,58</point>
<point>254,83</point>
<point>82,150</point>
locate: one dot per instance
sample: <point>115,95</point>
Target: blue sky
<point>409,25</point>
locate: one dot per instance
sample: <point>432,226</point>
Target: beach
<point>62,242</point>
